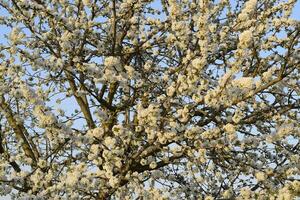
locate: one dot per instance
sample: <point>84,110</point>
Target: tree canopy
<point>149,99</point>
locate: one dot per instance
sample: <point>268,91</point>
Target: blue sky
<point>4,30</point>
<point>296,11</point>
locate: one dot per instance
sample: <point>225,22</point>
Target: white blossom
<point>245,39</point>
<point>149,99</point>
<point>260,176</point>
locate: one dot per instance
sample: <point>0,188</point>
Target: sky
<point>4,30</point>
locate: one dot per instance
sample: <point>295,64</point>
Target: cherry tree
<point>148,99</point>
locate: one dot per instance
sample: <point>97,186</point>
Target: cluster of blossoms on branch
<point>149,99</point>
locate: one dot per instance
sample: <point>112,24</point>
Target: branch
<point>14,165</point>
<point>20,131</point>
<point>83,106</point>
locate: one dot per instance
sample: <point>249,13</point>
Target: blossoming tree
<point>144,99</point>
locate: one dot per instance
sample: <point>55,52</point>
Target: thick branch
<point>14,165</point>
<point>81,102</point>
<point>20,131</point>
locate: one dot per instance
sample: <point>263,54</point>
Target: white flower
<point>244,82</point>
<point>238,115</point>
<point>250,5</point>
<point>111,61</point>
<point>267,76</point>
<point>46,118</point>
<point>229,128</point>
<point>72,178</point>
<point>17,93</point>
<point>36,177</point>
<point>153,165</point>
<point>109,142</point>
<point>117,129</point>
<point>245,193</point>
<point>16,35</point>
<point>260,176</point>
<point>66,36</point>
<point>198,63</point>
<point>147,66</point>
<point>113,181</point>
<point>171,90</point>
<point>94,149</point>
<point>143,161</point>
<point>209,198</point>
<point>225,78</point>
<point>130,70</point>
<point>285,129</point>
<point>86,2</point>
<point>42,163</point>
<point>227,194</point>
<point>138,128</point>
<point>245,39</point>
<point>248,9</point>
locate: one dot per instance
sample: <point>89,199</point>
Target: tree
<point>144,99</point>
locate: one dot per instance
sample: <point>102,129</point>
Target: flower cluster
<point>148,99</point>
